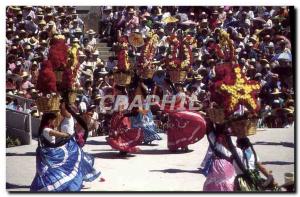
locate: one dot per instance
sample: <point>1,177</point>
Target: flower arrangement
<point>46,82</point>
<point>122,54</point>
<point>73,59</point>
<point>237,90</point>
<point>148,52</point>
<point>226,46</point>
<point>122,74</point>
<point>58,52</point>
<point>180,52</point>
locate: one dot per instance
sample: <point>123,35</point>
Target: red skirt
<point>126,141</point>
<point>185,128</point>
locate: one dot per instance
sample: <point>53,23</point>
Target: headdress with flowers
<point>148,51</point>
<point>180,52</point>
<point>123,58</point>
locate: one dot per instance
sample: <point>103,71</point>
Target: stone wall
<point>90,15</point>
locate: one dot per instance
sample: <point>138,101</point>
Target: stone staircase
<point>104,50</point>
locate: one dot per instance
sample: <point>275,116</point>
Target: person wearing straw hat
<point>91,37</point>
<point>75,40</point>
<point>88,74</point>
<point>30,25</point>
<point>99,71</point>
<point>290,117</point>
<point>289,185</point>
<point>81,60</point>
<point>23,36</point>
<point>77,32</point>
<point>277,101</point>
<point>26,84</point>
<point>33,41</point>
<point>106,22</point>
<point>92,62</point>
<point>132,21</point>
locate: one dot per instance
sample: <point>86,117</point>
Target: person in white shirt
<point>250,161</point>
<point>144,29</point>
<point>67,124</point>
<point>47,129</point>
<point>61,164</point>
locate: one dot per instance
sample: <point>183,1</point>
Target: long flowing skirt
<point>220,177</point>
<point>185,128</point>
<point>150,133</point>
<point>126,141</point>
<point>146,123</point>
<point>63,168</point>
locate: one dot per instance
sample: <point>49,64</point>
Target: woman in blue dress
<point>144,119</point>
<point>61,165</point>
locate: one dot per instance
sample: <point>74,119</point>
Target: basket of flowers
<point>122,78</point>
<point>243,127</point>
<point>177,75</point>
<point>49,103</point>
<point>216,115</point>
<point>72,95</point>
<point>147,72</point>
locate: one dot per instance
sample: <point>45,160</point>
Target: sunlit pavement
<point>154,168</point>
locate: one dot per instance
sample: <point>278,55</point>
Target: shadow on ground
<point>160,152</point>
<point>111,155</point>
<point>171,170</point>
<point>94,142</point>
<point>148,145</point>
<point>277,163</point>
<point>14,186</point>
<point>21,154</point>
<point>285,144</point>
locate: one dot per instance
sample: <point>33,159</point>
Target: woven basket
<point>58,75</point>
<point>122,78</point>
<point>58,119</point>
<point>243,128</point>
<point>216,115</point>
<point>147,73</point>
<point>177,75</point>
<point>45,104</point>
<point>72,97</point>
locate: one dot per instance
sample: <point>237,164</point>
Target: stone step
<point>101,44</point>
<point>103,48</point>
<point>106,53</point>
<point>104,58</point>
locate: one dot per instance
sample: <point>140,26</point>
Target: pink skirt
<point>220,177</point>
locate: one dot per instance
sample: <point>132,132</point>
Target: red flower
<point>46,82</point>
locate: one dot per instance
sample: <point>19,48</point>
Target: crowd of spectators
<point>261,36</point>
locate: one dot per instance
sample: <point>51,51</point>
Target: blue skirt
<point>150,132</point>
<point>147,125</point>
<point>63,168</point>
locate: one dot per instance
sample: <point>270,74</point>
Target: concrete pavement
<point>154,168</point>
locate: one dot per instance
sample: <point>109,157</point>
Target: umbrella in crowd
<point>170,19</point>
<point>283,56</point>
<point>259,20</point>
<point>136,39</point>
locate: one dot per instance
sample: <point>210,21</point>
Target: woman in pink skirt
<point>221,172</point>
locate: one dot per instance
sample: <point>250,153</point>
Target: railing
<point>22,101</point>
<point>21,125</point>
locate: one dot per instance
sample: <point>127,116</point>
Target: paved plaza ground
<point>154,168</point>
